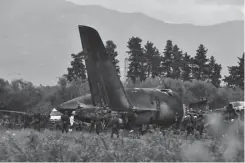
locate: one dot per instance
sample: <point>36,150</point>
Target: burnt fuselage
<point>152,106</point>
<point>162,107</point>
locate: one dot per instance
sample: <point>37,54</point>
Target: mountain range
<point>37,37</point>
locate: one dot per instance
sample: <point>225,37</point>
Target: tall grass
<point>29,145</point>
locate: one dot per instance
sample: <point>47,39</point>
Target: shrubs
<point>21,95</point>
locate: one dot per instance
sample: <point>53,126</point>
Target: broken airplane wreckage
<point>162,107</point>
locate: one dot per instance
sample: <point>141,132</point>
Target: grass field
<point>46,146</point>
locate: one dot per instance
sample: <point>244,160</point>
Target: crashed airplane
<point>152,106</point>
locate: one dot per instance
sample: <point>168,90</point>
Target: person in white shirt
<point>72,120</point>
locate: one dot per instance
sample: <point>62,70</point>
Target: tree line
<point>148,62</point>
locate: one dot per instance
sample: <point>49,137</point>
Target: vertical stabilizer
<point>101,72</point>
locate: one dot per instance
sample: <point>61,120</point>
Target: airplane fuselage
<point>152,106</point>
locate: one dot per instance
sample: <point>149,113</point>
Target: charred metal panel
<point>165,106</point>
<point>93,80</point>
<point>101,66</point>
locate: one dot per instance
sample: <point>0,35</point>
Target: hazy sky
<point>199,12</point>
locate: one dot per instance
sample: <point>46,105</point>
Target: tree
<point>167,58</point>
<point>62,83</point>
<point>156,70</point>
<point>214,72</point>
<point>216,76</point>
<point>136,60</point>
<point>200,69</point>
<point>63,93</point>
<point>152,58</point>
<point>241,72</point>
<point>177,62</point>
<point>236,77</point>
<point>77,70</point>
<point>20,95</point>
<point>111,50</point>
<point>186,68</point>
<point>4,93</point>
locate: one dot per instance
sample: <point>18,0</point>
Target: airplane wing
<point>101,72</point>
<point>83,101</point>
<point>14,112</point>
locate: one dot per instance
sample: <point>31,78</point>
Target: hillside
<point>37,37</point>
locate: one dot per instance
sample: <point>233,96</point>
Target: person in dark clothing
<point>132,116</point>
<point>190,127</point>
<point>98,124</point>
<point>200,125</point>
<point>65,120</point>
<point>115,126</point>
<point>144,129</point>
<point>26,121</point>
<point>36,122</point>
<point>230,111</point>
<point>92,124</point>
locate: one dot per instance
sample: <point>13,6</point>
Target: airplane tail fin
<point>102,75</point>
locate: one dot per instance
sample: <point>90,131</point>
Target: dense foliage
<point>236,77</point>
<point>111,51</point>
<point>77,71</point>
<point>137,67</point>
<point>20,95</point>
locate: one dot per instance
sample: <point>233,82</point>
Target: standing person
<point>132,115</point>
<point>242,115</point>
<point>143,129</point>
<point>98,124</point>
<point>36,122</point>
<point>238,115</point>
<point>177,120</point>
<point>115,126</point>
<point>72,119</point>
<point>92,124</point>
<point>190,127</point>
<point>200,124</point>
<point>65,120</point>
<point>26,121</point>
<point>238,122</point>
<point>231,112</point>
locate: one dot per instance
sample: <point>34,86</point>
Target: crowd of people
<point>198,121</point>
<point>98,123</point>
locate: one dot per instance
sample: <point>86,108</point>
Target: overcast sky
<point>198,12</point>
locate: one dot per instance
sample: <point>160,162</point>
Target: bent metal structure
<point>153,106</point>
